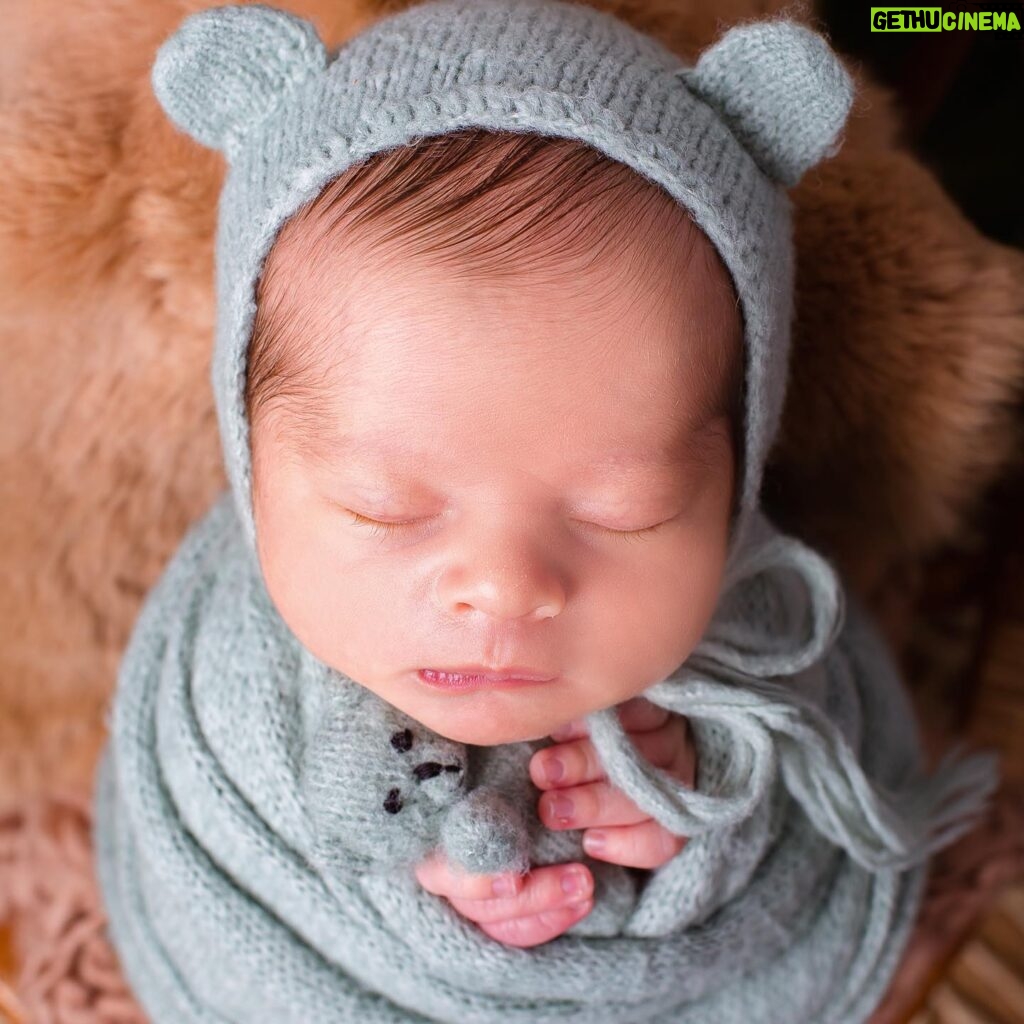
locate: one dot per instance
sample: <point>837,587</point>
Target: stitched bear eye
<point>402,740</point>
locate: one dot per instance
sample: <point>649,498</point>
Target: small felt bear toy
<point>381,791</point>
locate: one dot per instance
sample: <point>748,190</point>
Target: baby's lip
<point>497,675</point>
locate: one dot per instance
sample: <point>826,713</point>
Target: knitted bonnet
<point>725,138</point>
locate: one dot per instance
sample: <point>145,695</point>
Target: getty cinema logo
<point>935,19</point>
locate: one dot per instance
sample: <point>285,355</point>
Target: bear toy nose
<point>440,782</point>
<point>430,769</point>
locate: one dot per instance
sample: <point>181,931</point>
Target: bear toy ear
<point>781,89</point>
<point>226,68</point>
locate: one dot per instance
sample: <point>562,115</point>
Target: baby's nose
<point>505,581</point>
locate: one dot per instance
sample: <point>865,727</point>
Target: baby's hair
<point>485,205</point>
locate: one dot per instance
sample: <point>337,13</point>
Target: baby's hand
<point>541,905</point>
<point>581,797</point>
<point>538,908</point>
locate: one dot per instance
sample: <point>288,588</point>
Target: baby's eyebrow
<point>690,446</point>
<point>683,446</point>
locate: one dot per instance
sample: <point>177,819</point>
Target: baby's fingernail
<point>561,808</point>
<point>574,882</point>
<point>553,769</point>
<point>504,886</point>
<point>594,842</point>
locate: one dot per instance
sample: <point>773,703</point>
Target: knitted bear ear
<point>226,68</point>
<point>781,89</point>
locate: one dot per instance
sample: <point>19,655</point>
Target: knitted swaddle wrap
<point>258,813</point>
<point>250,876</point>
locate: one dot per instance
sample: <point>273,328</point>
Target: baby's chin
<point>491,735</point>
<point>489,719</point>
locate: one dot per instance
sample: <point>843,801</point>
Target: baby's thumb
<point>440,876</point>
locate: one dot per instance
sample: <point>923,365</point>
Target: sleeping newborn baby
<point>504,302</point>
<point>501,452</point>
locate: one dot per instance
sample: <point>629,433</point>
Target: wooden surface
<point>984,982</point>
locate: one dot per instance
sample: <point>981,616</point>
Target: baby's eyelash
<point>636,534</point>
<point>377,527</point>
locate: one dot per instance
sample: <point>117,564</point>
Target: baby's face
<point>511,444</point>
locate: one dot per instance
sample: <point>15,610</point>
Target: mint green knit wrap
<point>254,867</point>
<point>259,814</point>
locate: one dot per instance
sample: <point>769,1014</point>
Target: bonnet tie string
<point>778,727</point>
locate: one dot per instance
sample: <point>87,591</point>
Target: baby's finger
<point>639,715</point>
<point>576,762</point>
<point>588,806</point>
<point>532,931</point>
<point>646,845</point>
<point>546,888</point>
<point>636,715</point>
<point>438,875</point>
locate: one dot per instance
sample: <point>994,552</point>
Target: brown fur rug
<point>904,405</point>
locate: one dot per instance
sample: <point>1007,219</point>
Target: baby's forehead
<point>652,319</point>
<point>384,323</point>
<point>417,388</point>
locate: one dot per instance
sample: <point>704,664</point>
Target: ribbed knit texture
<point>259,814</point>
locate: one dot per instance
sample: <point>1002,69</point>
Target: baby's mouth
<point>470,677</point>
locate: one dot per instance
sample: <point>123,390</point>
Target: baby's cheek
<point>321,604</point>
<point>667,614</point>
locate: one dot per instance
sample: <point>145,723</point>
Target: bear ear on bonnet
<point>226,68</point>
<point>776,83</point>
<point>782,91</point>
